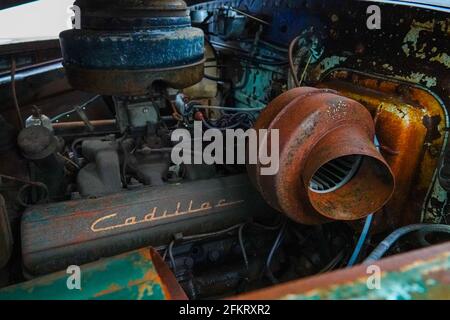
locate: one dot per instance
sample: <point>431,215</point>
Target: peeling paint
<point>331,62</point>
<point>414,281</point>
<point>410,42</point>
<point>443,58</point>
<point>419,78</point>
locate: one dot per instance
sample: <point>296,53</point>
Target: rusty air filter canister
<point>329,167</point>
<point>124,46</point>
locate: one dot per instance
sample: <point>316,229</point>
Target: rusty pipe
<point>81,124</point>
<point>329,167</point>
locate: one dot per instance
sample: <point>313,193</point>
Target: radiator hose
<point>387,243</point>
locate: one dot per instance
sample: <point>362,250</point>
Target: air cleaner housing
<point>124,46</point>
<point>330,168</point>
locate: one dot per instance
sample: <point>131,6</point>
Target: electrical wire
<point>80,107</point>
<point>387,243</point>
<point>211,234</point>
<point>361,241</point>
<point>169,250</point>
<point>241,239</point>
<point>248,15</point>
<point>291,60</point>
<point>24,181</point>
<point>172,259</point>
<point>241,244</point>
<point>269,228</point>
<point>27,184</point>
<point>304,70</point>
<point>14,93</point>
<point>333,263</point>
<point>68,160</point>
<point>228,108</point>
<point>231,121</point>
<point>276,245</point>
<point>240,227</point>
<point>246,55</point>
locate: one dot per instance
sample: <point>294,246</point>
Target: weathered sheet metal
<point>411,128</point>
<point>137,275</point>
<point>76,232</point>
<point>330,168</point>
<point>408,62</point>
<point>421,274</point>
<point>123,47</point>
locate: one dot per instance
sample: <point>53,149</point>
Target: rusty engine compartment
<point>86,139</point>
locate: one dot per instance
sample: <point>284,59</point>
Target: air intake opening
<point>335,174</point>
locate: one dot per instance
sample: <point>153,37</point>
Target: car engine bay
<point>87,125</point>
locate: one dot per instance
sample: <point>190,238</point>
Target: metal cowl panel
<point>123,47</point>
<point>329,166</point>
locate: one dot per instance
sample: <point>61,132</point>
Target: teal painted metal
<point>132,35</point>
<point>419,275</point>
<point>137,275</point>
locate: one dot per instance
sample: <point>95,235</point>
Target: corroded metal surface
<point>138,275</point>
<point>57,235</point>
<point>408,62</point>
<point>123,47</point>
<point>411,128</point>
<point>422,274</point>
<point>132,82</point>
<point>317,127</point>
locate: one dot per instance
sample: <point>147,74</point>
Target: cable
<point>244,54</point>
<point>269,228</point>
<point>231,121</point>
<point>228,108</point>
<point>306,69</point>
<point>333,263</point>
<point>361,241</point>
<point>84,105</point>
<point>172,259</point>
<point>276,245</point>
<point>211,234</point>
<point>240,227</point>
<point>24,181</point>
<point>248,15</point>
<point>68,160</point>
<point>14,93</point>
<point>27,184</point>
<point>291,60</point>
<point>241,244</point>
<point>387,243</point>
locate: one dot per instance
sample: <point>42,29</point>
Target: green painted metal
<point>130,276</point>
<point>420,280</point>
<point>418,275</point>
